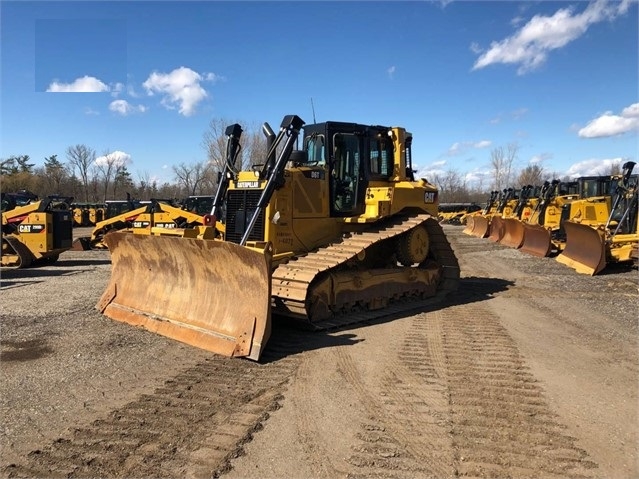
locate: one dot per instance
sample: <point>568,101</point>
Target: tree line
<point>503,173</point>
<point>80,176</point>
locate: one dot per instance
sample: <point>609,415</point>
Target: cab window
<point>316,149</point>
<point>381,157</point>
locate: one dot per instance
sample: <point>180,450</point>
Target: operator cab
<point>353,155</point>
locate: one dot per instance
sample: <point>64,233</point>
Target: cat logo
<point>30,228</point>
<point>430,197</point>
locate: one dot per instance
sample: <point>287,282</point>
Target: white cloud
<point>459,148</point>
<point>181,86</point>
<point>115,158</point>
<point>529,47</point>
<point>90,111</point>
<point>124,108</point>
<point>86,84</point>
<point>116,89</point>
<point>535,159</point>
<point>455,149</point>
<point>430,172</point>
<point>514,115</point>
<point>476,177</point>
<point>610,124</point>
<point>391,72</point>
<point>475,48</point>
<point>130,90</point>
<point>592,167</point>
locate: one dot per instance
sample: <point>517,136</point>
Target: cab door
<point>346,175</point>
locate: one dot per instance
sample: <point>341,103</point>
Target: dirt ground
<point>531,370</point>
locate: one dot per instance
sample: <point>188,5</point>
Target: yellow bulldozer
<point>477,224</point>
<point>591,243</point>
<point>335,232</point>
<point>35,232</point>
<point>505,209</point>
<point>512,228</point>
<point>587,200</point>
<point>542,231</point>
<point>455,213</point>
<point>152,213</point>
<point>87,214</point>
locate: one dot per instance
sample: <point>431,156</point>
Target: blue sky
<point>558,78</point>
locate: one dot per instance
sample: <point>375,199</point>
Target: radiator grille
<point>240,207</point>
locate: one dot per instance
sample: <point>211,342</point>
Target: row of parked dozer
<point>456,213</point>
<point>36,231</point>
<point>330,230</point>
<point>585,224</point>
<point>131,215</point>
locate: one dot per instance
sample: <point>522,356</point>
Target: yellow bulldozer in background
<point>592,243</point>
<point>542,231</point>
<point>455,213</point>
<point>339,231</point>
<point>88,214</point>
<point>512,229</point>
<point>587,200</point>
<point>477,222</point>
<point>505,209</point>
<point>35,232</point>
<point>152,213</point>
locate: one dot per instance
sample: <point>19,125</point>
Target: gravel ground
<point>531,370</point>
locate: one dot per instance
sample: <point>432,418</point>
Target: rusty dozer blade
<point>537,241</point>
<point>82,243</point>
<point>470,225</point>
<point>211,294</point>
<point>513,233</point>
<point>496,229</point>
<point>481,226</point>
<point>585,249</point>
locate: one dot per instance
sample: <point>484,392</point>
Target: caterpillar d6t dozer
<point>456,213</point>
<point>505,208</point>
<point>543,232</point>
<point>336,232</point>
<point>477,224</point>
<point>513,227</point>
<point>35,232</point>
<point>590,243</point>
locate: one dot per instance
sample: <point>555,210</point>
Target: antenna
<point>313,108</point>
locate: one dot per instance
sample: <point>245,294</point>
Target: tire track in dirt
<point>407,434</point>
<point>501,423</point>
<point>190,427</point>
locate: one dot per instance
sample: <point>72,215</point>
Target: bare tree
<point>191,177</point>
<point>253,144</point>
<point>531,175</point>
<point>615,167</point>
<point>452,187</point>
<point>81,157</point>
<point>214,142</point>
<point>106,165</point>
<point>501,161</point>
